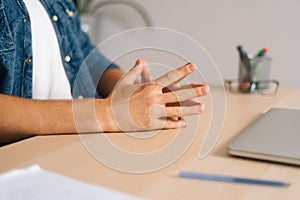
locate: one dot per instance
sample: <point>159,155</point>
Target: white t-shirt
<point>49,80</point>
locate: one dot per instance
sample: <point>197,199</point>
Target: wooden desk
<point>66,154</point>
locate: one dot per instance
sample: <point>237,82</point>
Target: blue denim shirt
<point>83,64</point>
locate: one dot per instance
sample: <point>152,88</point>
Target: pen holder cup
<point>254,76</point>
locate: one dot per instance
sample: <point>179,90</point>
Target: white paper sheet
<point>34,183</point>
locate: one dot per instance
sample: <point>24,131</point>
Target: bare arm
<point>108,80</point>
<point>21,118</point>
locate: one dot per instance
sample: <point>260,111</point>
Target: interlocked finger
<point>183,111</point>
<point>171,124</point>
<point>185,94</point>
<point>176,75</point>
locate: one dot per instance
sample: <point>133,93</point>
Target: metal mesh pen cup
<point>254,75</point>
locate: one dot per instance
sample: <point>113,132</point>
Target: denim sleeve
<point>95,64</point>
<point>87,47</point>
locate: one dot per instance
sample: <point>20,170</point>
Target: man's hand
<point>157,104</point>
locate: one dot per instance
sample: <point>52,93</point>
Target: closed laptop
<point>275,136</point>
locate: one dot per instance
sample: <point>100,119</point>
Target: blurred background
<point>219,26</point>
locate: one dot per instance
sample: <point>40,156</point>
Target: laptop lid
<point>275,136</point>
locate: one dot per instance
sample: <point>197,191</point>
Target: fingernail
<point>137,63</point>
<point>182,123</point>
<point>204,89</point>
<point>192,67</point>
<point>200,108</point>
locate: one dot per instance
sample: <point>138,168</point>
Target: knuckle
<point>152,86</point>
<point>177,112</point>
<point>171,75</point>
<point>174,112</point>
<point>179,96</point>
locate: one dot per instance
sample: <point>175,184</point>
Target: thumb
<point>146,74</point>
<point>133,73</point>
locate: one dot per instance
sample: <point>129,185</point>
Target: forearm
<point>21,118</point>
<point>108,80</point>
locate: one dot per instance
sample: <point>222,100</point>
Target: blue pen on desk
<point>232,179</point>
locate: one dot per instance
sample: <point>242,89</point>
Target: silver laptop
<point>275,136</point>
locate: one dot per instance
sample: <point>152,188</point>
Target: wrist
<point>105,117</point>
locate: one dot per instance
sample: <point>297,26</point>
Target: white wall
<point>220,25</point>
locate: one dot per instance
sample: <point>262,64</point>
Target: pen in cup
<point>249,74</point>
<point>246,64</point>
<point>244,58</point>
<point>262,52</point>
